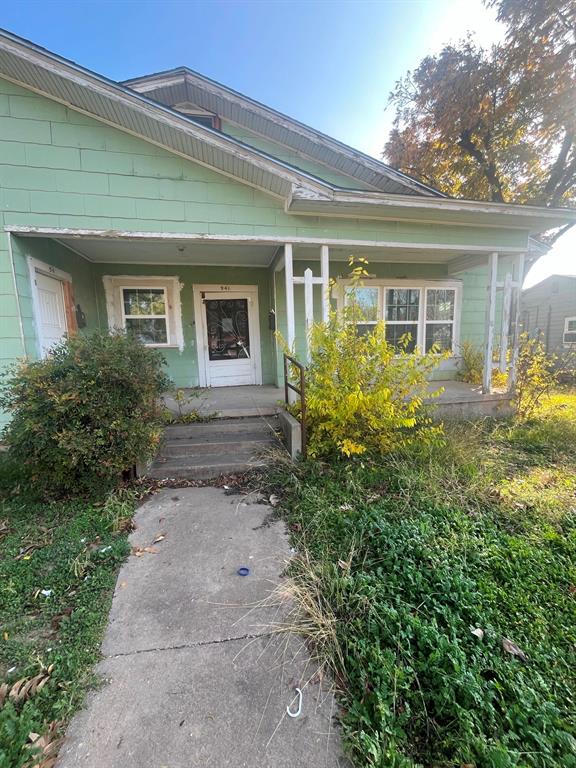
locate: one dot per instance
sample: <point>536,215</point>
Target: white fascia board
<point>382,206</point>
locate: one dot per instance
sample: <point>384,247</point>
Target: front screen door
<point>229,338</point>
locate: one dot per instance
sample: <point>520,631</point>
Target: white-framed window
<point>145,307</point>
<point>440,318</point>
<point>425,311</point>
<point>569,337</point>
<point>402,316</point>
<point>145,313</point>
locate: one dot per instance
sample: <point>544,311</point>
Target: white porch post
<point>490,320</point>
<point>325,274</point>
<point>516,322</point>
<point>289,282</point>
<point>506,304</point>
<point>308,308</point>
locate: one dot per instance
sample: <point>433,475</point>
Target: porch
<point>214,302</point>
<point>458,400</point>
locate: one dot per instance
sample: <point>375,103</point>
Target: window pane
<point>366,299</point>
<point>440,304</point>
<point>228,331</point>
<point>395,332</point>
<point>148,330</point>
<point>571,325</point>
<point>440,334</point>
<point>362,329</point>
<point>402,304</point>
<point>144,301</point>
<point>570,338</point>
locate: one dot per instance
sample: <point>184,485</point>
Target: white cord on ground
<point>299,710</point>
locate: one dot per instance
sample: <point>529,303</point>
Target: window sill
<point>162,346</point>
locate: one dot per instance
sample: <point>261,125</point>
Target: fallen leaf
<point>160,537</point>
<point>5,635</point>
<point>513,649</point>
<point>478,632</point>
<point>48,743</point>
<point>274,500</point>
<point>123,583</point>
<point>139,551</point>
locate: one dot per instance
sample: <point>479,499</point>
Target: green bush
<point>85,414</point>
<point>471,363</point>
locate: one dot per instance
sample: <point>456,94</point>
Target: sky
<point>328,63</point>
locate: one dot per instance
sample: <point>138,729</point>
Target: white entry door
<point>51,311</point>
<point>231,338</point>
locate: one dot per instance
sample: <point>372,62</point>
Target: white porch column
<point>308,308</point>
<point>490,321</point>
<point>289,282</point>
<point>506,304</point>
<point>325,275</point>
<point>519,280</point>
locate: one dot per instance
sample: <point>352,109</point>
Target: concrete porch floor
<point>230,402</point>
<point>458,400</point>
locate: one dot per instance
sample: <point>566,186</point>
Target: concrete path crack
<point>199,644</point>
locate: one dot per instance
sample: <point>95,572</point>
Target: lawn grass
<point>58,567</point>
<point>440,587</point>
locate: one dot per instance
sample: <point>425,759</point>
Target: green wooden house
<point>201,220</point>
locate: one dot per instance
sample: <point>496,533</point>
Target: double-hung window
<point>147,308</point>
<point>569,336</point>
<point>440,318</point>
<point>145,314</point>
<point>401,315</point>
<point>417,316</point>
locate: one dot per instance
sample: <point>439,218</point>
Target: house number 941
<point>224,287</point>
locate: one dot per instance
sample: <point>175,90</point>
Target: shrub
<point>362,393</point>
<point>537,374</point>
<point>86,413</point>
<point>472,367</point>
<point>471,363</point>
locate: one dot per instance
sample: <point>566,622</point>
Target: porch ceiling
<point>111,251</point>
<point>117,247</point>
<point>115,251</point>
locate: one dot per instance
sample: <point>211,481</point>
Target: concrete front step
<point>218,445</point>
<point>208,449</point>
<point>220,427</point>
<point>203,467</point>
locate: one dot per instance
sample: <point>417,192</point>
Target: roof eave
<point>433,210</point>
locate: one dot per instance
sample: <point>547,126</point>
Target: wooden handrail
<point>301,391</point>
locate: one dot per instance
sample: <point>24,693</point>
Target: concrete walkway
<point>195,676</point>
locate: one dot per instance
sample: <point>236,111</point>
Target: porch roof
<point>159,248</point>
